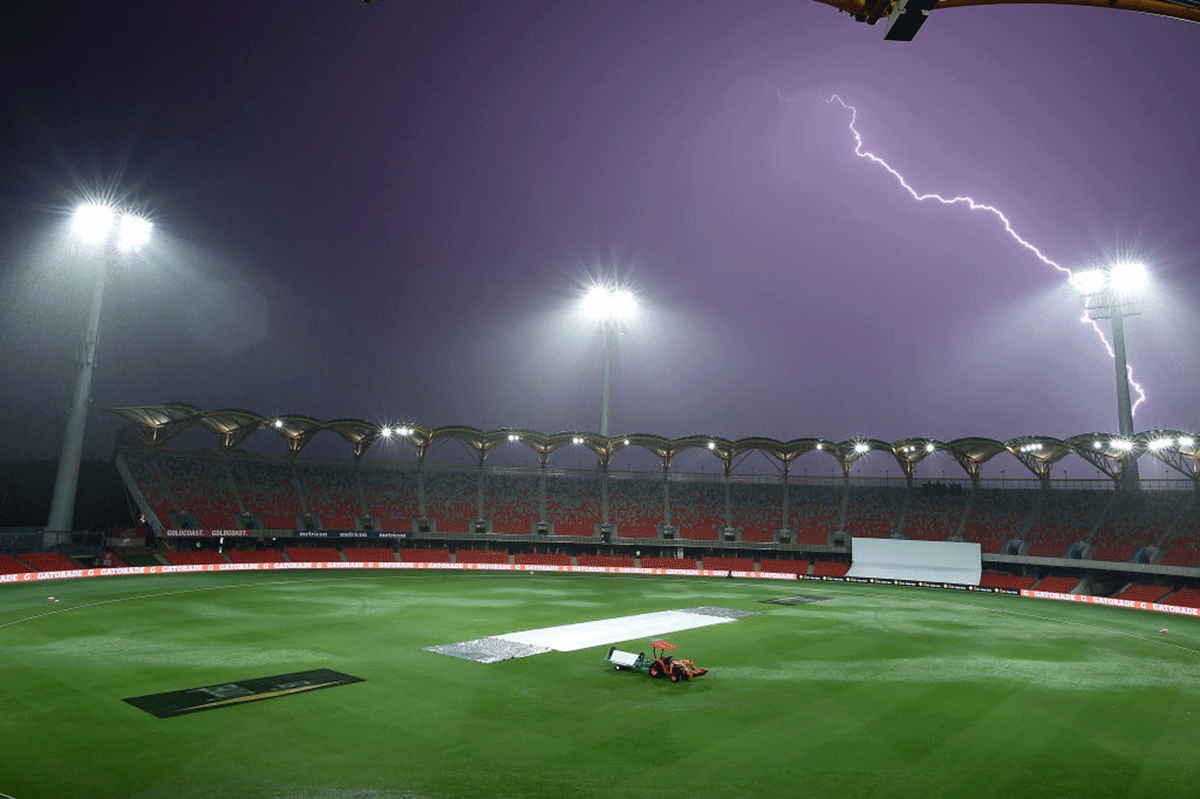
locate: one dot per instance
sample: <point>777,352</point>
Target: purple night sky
<point>390,211</point>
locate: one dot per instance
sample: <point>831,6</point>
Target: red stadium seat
<point>1058,585</point>
<point>1187,598</point>
<point>783,566</point>
<point>607,561</point>
<point>1011,581</point>
<point>686,564</point>
<point>415,555</point>
<point>255,556</point>
<point>49,561</point>
<point>312,554</point>
<point>480,556</point>
<point>533,559</point>
<point>714,563</point>
<point>830,569</point>
<point>10,565</point>
<point>370,555</point>
<point>199,557</point>
<point>1139,592</point>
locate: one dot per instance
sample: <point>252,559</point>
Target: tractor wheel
<point>655,670</point>
<point>686,675</point>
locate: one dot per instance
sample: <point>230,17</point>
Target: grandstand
<point>1063,519</point>
<point>258,493</point>
<point>998,516</point>
<point>248,507</point>
<point>636,506</point>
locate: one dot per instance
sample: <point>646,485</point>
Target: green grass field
<point>880,692</point>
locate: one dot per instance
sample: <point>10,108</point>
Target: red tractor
<point>664,665</point>
<point>661,665</point>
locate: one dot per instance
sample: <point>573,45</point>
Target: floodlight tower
<point>94,225</point>
<point>611,306</point>
<point>1113,293</point>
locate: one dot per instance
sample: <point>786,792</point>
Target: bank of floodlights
<point>1121,279</point>
<point>93,222</point>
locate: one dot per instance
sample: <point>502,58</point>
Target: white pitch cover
<point>932,561</point>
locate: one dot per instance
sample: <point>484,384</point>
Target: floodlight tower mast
<point>610,305</point>
<point>91,224</point>
<point>606,378</point>
<point>1113,293</point>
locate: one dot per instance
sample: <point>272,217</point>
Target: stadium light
<point>1089,281</point>
<point>1113,293</point>
<point>610,303</point>
<point>133,232</point>
<point>1126,278</point>
<point>91,223</point>
<point>611,306</point>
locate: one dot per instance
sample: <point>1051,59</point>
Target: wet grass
<point>877,692</point>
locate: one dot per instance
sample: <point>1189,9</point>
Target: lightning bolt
<point>978,206</point>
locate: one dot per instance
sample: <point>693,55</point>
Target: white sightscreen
<point>932,561</point>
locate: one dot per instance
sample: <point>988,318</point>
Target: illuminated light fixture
<point>406,431</point>
<point>385,431</point>
<point>712,445</point>
<point>930,447</point>
<point>92,222</point>
<point>577,440</point>
<point>861,447</point>
<point>1089,281</point>
<point>513,437</point>
<point>820,446</point>
<point>1121,444</point>
<point>627,442</point>
<point>1159,443</point>
<point>1186,441</point>
<point>134,232</point>
<point>1124,278</point>
<point>1096,445</point>
<point>278,424</point>
<point>609,303</point>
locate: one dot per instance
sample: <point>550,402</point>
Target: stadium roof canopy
<point>906,17</point>
<point>156,424</point>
